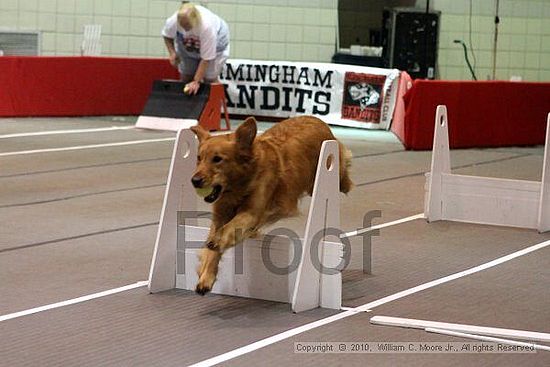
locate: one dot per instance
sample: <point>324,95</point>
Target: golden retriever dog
<point>256,180</point>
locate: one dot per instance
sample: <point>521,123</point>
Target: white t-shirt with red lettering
<point>208,39</point>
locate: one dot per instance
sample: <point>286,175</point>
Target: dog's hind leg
<point>208,270</point>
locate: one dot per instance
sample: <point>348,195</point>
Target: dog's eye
<point>217,159</point>
<point>198,158</point>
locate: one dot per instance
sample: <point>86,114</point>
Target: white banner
<point>339,94</point>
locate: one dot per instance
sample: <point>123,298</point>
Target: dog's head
<point>224,162</point>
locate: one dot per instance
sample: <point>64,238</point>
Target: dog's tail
<point>345,164</point>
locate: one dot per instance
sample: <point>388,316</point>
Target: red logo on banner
<point>363,97</point>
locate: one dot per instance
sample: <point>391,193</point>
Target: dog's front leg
<point>209,258</point>
<point>242,226</point>
<point>208,270</point>
<point>220,239</point>
<point>212,235</point>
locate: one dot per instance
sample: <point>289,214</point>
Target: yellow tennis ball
<point>186,89</point>
<point>204,191</point>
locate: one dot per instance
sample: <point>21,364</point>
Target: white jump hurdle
<point>484,200</point>
<point>175,258</point>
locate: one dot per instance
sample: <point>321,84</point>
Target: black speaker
<point>410,38</point>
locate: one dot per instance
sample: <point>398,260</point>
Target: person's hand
<point>174,59</point>
<point>192,87</point>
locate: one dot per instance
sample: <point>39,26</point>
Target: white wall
<point>291,30</point>
<point>523,42</point>
<point>260,29</point>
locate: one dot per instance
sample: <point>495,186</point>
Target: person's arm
<point>193,86</point>
<point>207,54</point>
<point>172,55</point>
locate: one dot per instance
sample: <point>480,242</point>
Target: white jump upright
<point>484,200</point>
<point>255,268</point>
<point>163,266</point>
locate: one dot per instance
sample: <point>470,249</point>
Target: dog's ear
<point>246,133</point>
<point>200,132</point>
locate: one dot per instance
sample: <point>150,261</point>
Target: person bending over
<point>198,44</point>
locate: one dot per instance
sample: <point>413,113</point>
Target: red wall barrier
<point>481,114</point>
<point>78,86</point>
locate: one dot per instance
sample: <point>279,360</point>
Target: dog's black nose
<point>197,182</point>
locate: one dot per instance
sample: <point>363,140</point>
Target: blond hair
<point>189,12</point>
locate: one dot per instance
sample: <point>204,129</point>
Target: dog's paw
<point>205,284</point>
<point>212,245</point>
<point>202,290</point>
<point>255,233</point>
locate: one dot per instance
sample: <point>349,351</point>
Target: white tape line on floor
<point>73,131</point>
<point>118,290</point>
<point>72,301</point>
<point>81,147</point>
<point>292,332</point>
<point>454,276</point>
<point>383,225</point>
<point>368,306</point>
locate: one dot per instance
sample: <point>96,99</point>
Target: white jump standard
<point>484,200</point>
<point>175,260</point>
